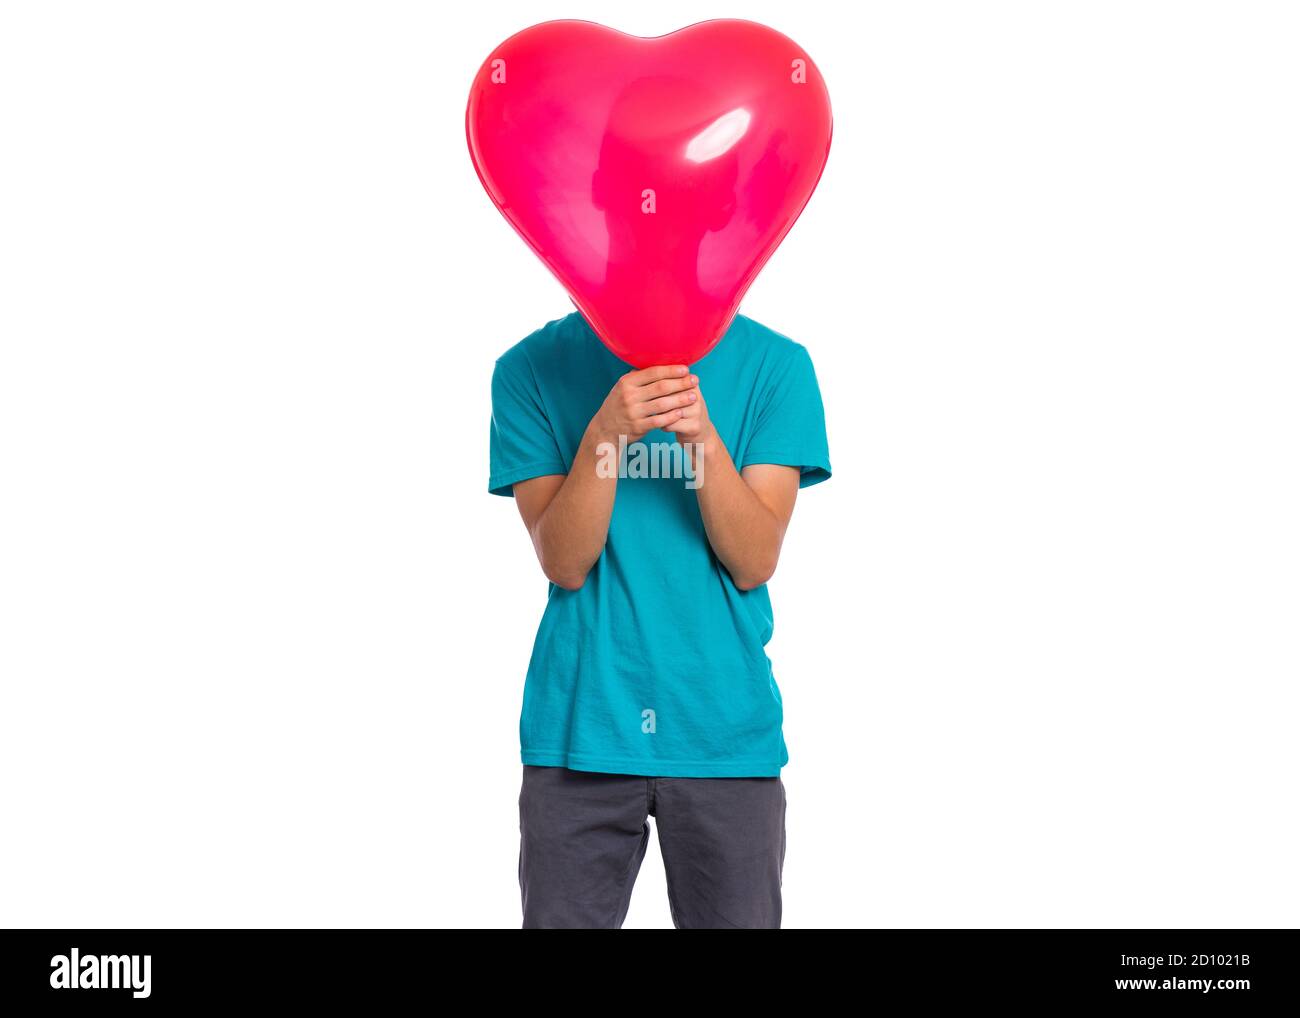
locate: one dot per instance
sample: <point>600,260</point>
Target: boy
<point>657,501</point>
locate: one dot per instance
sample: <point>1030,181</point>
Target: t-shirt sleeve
<point>790,423</point>
<point>522,443</point>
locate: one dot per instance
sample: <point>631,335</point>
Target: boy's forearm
<point>570,534</point>
<point>744,533</point>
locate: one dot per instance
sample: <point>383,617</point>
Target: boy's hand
<point>694,426</point>
<point>644,400</point>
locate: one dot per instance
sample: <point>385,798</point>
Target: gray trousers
<point>582,836</point>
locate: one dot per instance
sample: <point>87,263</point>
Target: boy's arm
<point>745,512</point>
<point>567,515</point>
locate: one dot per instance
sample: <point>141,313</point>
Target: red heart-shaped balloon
<point>654,177</point>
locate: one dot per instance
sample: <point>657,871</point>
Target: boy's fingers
<point>665,403</point>
<point>663,420</point>
<point>657,373</point>
<point>666,386</point>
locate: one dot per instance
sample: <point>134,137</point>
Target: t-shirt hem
<point>813,467</point>
<point>745,768</point>
<point>502,482</point>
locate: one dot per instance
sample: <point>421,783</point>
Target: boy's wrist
<point>711,443</point>
<point>596,433</point>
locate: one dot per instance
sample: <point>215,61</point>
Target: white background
<point>263,631</point>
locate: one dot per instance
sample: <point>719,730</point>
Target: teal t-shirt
<point>656,664</point>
